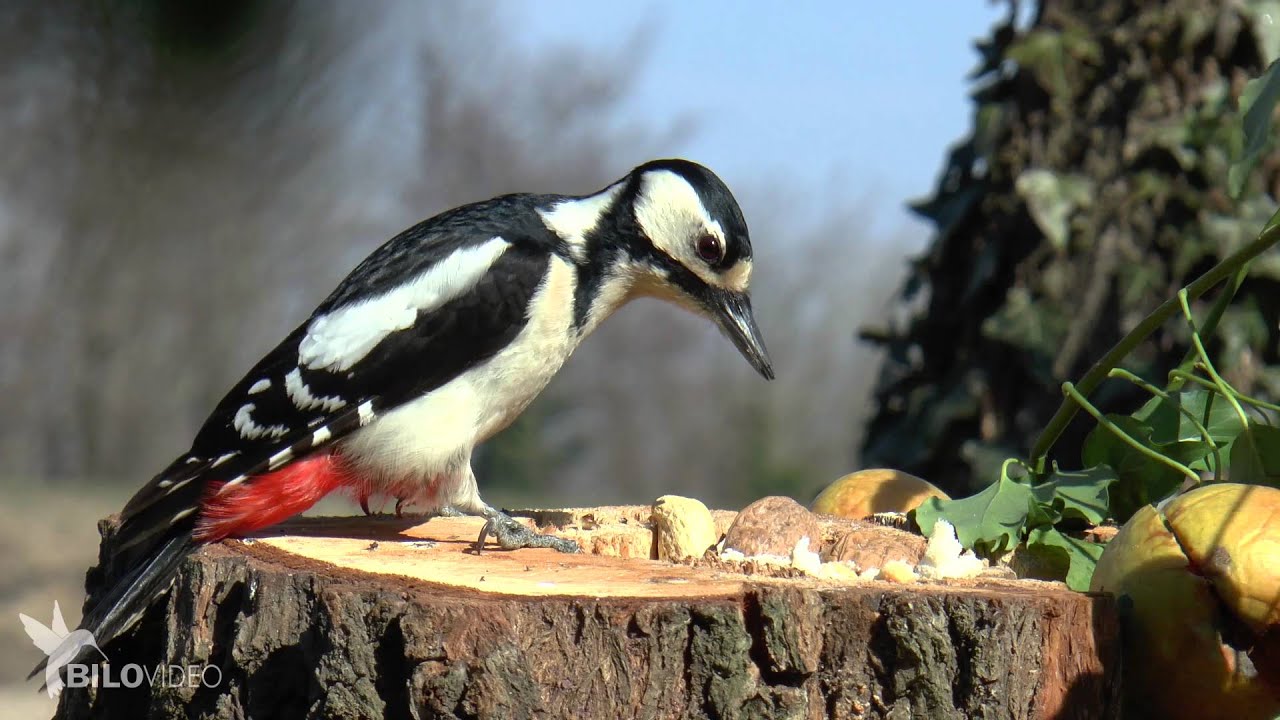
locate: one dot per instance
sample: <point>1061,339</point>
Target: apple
<point>867,492</point>
<point>1198,588</point>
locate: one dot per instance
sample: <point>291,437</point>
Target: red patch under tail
<point>267,499</point>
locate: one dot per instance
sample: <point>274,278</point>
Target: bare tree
<point>189,186</point>
<point>187,181</point>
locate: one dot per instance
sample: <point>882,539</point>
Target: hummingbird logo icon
<point>59,646</point>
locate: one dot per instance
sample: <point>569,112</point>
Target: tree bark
<point>364,618</point>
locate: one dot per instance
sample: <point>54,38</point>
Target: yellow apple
<point>1198,585</point>
<point>867,492</point>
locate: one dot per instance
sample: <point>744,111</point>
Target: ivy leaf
<point>1255,456</point>
<point>1140,478</point>
<point>1078,494</point>
<point>1043,514</point>
<point>1257,103</point>
<point>1051,199</point>
<point>1169,425</point>
<point>1077,558</point>
<point>989,522</point>
<point>1261,15</point>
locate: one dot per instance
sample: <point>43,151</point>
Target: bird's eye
<point>710,249</point>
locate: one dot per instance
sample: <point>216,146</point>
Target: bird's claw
<point>400,503</point>
<point>513,535</point>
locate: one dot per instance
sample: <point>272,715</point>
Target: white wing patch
<point>340,339</point>
<point>435,433</point>
<point>251,430</point>
<point>301,395</point>
<point>260,386</point>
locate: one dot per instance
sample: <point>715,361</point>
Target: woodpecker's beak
<point>732,312</point>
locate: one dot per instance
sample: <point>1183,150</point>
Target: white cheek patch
<point>670,213</point>
<point>343,337</point>
<point>301,395</point>
<point>672,216</point>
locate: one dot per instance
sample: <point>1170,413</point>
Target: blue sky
<point>835,99</point>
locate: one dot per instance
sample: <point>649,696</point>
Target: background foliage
<point>1092,187</point>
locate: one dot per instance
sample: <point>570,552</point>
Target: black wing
<point>276,428</point>
<point>436,346</point>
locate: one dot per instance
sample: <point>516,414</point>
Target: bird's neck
<point>590,228</point>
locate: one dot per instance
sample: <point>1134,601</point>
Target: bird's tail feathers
<point>129,597</point>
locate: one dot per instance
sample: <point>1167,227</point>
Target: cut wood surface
<point>386,617</point>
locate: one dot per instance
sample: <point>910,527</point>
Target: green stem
<point>1186,376</point>
<point>1207,364</point>
<point>1123,374</point>
<point>1236,262</point>
<point>1070,391</point>
<point>1215,314</point>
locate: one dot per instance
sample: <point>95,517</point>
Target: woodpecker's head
<point>689,244</point>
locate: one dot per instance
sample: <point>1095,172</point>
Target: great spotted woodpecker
<point>433,344</point>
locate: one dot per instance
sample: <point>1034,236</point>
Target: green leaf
<point>1255,456</point>
<point>1049,54</point>
<point>1052,198</point>
<point>1227,233</point>
<point>1043,514</point>
<point>1169,425</point>
<point>1262,16</point>
<point>1077,557</point>
<point>1141,479</point>
<point>1257,103</point>
<point>989,522</point>
<point>1028,324</point>
<point>1079,494</point>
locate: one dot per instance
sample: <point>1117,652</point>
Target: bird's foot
<point>399,507</point>
<point>364,505</point>
<point>513,535</point>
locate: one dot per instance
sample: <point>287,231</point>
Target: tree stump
<point>379,617</point>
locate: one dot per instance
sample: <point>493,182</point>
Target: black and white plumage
<point>433,344</point>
